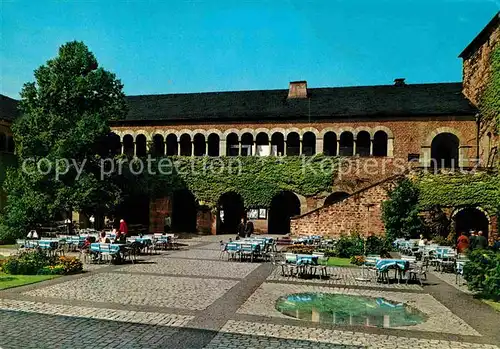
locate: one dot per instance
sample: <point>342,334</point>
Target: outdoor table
<point>307,259</point>
<point>115,250</point>
<point>255,244</point>
<point>383,265</point>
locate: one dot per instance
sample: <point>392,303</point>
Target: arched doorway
<point>471,218</point>
<point>283,206</point>
<point>140,145</point>
<point>183,211</point>
<point>134,209</point>
<point>231,210</point>
<point>335,197</point>
<point>444,150</point>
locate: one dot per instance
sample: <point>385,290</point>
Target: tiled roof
<point>322,103</point>
<point>8,108</point>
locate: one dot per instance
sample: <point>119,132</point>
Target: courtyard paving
<point>189,298</point>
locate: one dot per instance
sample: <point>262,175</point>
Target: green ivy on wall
<point>479,189</point>
<point>256,179</point>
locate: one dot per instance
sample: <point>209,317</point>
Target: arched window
<point>363,144</point>
<point>199,144</point>
<point>262,142</point>
<point>444,150</point>
<point>140,145</point>
<point>3,141</point>
<point>293,144</point>
<point>330,144</point>
<point>128,145</point>
<point>232,144</point>
<point>172,147</point>
<point>246,144</point>
<point>213,144</point>
<point>158,145</point>
<point>380,143</point>
<point>346,144</point>
<point>114,145</point>
<point>277,144</point>
<point>309,143</point>
<point>185,143</point>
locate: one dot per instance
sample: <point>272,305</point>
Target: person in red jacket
<point>123,227</point>
<point>462,243</point>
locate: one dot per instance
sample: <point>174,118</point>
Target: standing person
<point>481,242</point>
<point>167,224</point>
<point>422,241</point>
<point>462,243</point>
<point>472,240</point>
<point>240,234</point>
<point>123,227</point>
<point>249,228</point>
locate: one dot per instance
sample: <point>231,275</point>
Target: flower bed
<point>36,262</point>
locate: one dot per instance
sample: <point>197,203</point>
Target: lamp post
<point>92,220</point>
<point>363,277</point>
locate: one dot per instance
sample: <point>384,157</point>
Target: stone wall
<point>360,212</point>
<point>477,68</point>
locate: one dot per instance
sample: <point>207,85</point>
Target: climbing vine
<point>481,189</point>
<point>256,179</point>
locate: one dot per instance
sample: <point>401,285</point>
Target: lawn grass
<point>8,281</point>
<point>12,247</point>
<point>339,262</point>
<point>493,304</point>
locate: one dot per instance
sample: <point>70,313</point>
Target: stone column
<point>192,148</point>
<point>319,145</point>
<point>134,148</point>
<point>239,147</point>
<point>254,148</point>
<point>206,148</point>
<point>425,155</point>
<point>165,147</point>
<point>300,146</point>
<point>354,147</point>
<point>338,147</point>
<point>178,147</point>
<point>371,146</point>
<point>284,148</point>
<point>390,147</point>
<point>222,148</point>
<point>123,148</point>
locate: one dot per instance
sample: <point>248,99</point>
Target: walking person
<point>241,233</point>
<point>167,226</point>
<point>249,228</point>
<point>481,242</point>
<point>462,243</point>
<point>472,241</point>
<point>123,227</point>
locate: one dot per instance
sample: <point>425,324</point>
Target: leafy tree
<point>400,213</point>
<point>65,115</point>
<point>437,223</point>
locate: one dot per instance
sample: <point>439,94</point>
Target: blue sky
<point>174,46</point>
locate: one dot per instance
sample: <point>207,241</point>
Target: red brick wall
<point>158,208</point>
<point>204,221</point>
<point>347,216</point>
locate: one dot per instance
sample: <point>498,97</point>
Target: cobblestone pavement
<point>161,291</point>
<point>191,299</point>
<point>243,334</point>
<point>217,269</point>
<point>344,276</point>
<point>440,319</point>
<point>451,280</point>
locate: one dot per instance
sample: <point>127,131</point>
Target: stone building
<point>390,126</point>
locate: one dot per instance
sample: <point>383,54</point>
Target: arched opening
<point>199,144</point>
<point>172,147</point>
<point>140,145</point>
<point>213,144</point>
<point>346,144</point>
<point>363,144</point>
<point>444,150</point>
<point>308,144</point>
<point>231,210</point>
<point>185,144</point>
<point>330,144</point>
<point>283,206</point>
<point>293,144</point>
<point>3,141</point>
<point>128,145</point>
<point>232,144</point>
<point>335,197</point>
<point>246,144</point>
<point>471,218</point>
<point>380,143</point>
<point>262,143</point>
<point>134,209</point>
<point>11,146</point>
<point>183,211</point>
<point>158,145</point>
<point>277,144</point>
<point>114,145</point>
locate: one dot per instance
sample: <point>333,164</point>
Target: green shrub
<point>27,263</point>
<point>357,260</point>
<point>52,270</point>
<point>443,241</point>
<point>482,273</point>
<point>71,265</point>
<point>353,245</point>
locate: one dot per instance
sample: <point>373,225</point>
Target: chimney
<point>399,82</point>
<point>297,89</point>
